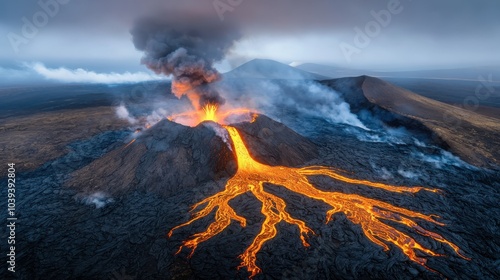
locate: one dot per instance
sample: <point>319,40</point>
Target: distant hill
<point>331,71</point>
<point>171,157</point>
<point>471,73</point>
<point>270,69</point>
<point>472,136</point>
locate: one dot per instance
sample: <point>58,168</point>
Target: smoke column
<point>186,49</point>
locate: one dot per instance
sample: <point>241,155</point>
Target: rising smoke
<point>186,50</point>
<point>286,97</point>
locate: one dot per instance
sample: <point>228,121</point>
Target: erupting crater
<point>251,176</point>
<point>211,112</point>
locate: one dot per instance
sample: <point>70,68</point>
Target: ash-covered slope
<point>32,140</point>
<point>273,143</point>
<point>169,157</point>
<point>474,137</point>
<point>164,157</point>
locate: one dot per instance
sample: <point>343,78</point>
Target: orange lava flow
<point>130,143</point>
<point>369,213</point>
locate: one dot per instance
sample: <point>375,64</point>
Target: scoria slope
<point>169,157</point>
<point>472,136</point>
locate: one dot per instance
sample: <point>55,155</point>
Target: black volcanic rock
<point>273,143</point>
<point>472,136</point>
<point>166,157</point>
<point>169,157</point>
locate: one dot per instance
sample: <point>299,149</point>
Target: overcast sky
<point>95,34</point>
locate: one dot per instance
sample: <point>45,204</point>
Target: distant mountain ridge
<point>470,73</point>
<point>474,137</point>
<point>330,71</point>
<point>270,69</point>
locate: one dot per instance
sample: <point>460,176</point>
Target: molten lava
<point>366,212</point>
<point>211,112</point>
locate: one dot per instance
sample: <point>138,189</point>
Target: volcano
<point>250,140</point>
<point>109,197</point>
<point>170,157</point>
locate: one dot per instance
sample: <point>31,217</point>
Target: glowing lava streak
<point>368,213</point>
<point>210,112</point>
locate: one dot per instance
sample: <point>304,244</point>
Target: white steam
<point>398,136</point>
<point>382,171</point>
<point>97,199</point>
<point>408,174</point>
<point>442,159</point>
<point>220,131</point>
<point>80,75</point>
<point>324,102</point>
<point>123,113</point>
<point>282,97</point>
<point>149,120</point>
<point>156,116</point>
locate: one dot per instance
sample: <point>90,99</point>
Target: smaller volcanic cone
<point>165,159</point>
<point>170,157</point>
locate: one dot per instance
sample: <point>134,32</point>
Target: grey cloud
<point>187,50</point>
<point>451,16</point>
<point>446,23</point>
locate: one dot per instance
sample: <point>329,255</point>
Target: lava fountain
<point>369,213</point>
<point>212,112</point>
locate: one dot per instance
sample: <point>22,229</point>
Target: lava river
<point>368,213</point>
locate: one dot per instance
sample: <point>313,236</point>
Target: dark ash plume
<point>187,50</point>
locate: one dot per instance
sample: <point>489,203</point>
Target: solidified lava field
<point>66,234</point>
<point>226,139</point>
